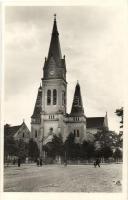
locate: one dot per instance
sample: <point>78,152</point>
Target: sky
<point>92,38</point>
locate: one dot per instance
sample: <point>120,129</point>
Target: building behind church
<point>50,112</point>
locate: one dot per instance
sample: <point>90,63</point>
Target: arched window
<point>35,133</point>
<point>78,134</point>
<point>54,97</point>
<point>48,97</point>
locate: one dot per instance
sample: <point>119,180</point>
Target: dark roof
<point>94,122</point>
<point>37,109</point>
<point>77,105</point>
<point>54,61</point>
<point>54,49</point>
<point>11,130</point>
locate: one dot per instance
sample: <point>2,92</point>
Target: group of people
<point>39,162</point>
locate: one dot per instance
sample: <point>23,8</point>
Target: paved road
<point>57,178</point>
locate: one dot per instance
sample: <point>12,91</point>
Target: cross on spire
<point>54,17</point>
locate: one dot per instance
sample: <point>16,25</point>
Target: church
<point>50,112</point>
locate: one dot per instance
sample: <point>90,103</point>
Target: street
<point>58,178</point>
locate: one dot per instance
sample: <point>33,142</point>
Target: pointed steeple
<point>54,49</point>
<point>37,108</point>
<point>77,105</point>
<point>54,65</point>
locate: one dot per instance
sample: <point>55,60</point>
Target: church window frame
<point>48,97</point>
<point>54,97</point>
<point>63,98</point>
<point>23,135</point>
<point>78,133</point>
<point>36,133</point>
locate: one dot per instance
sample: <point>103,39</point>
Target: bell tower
<point>54,86</point>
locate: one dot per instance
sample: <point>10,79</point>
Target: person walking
<point>97,162</point>
<point>41,162</point>
<point>38,162</point>
<point>19,162</point>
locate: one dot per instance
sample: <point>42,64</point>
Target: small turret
<point>77,105</point>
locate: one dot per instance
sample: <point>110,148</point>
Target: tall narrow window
<point>35,133</point>
<point>63,98</point>
<point>23,135</point>
<point>48,97</point>
<point>78,133</point>
<point>54,97</point>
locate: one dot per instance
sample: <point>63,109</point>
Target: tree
<point>10,147</point>
<point>33,150</point>
<point>73,150</point>
<point>107,152</point>
<point>107,141</point>
<point>120,113</point>
<point>69,146</point>
<point>88,150</point>
<point>117,154</point>
<point>106,138</point>
<point>58,147</point>
<point>22,149</point>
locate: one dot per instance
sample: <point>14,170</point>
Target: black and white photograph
<point>63,99</point>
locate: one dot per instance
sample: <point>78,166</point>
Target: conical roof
<point>54,65</point>
<point>54,49</point>
<point>77,105</point>
<point>37,108</point>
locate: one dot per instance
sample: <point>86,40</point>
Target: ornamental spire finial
<point>54,17</point>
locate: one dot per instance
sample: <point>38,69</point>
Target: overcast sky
<point>91,38</point>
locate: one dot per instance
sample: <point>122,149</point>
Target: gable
<point>11,130</point>
<point>23,129</point>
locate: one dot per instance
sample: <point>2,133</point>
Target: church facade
<point>50,112</point>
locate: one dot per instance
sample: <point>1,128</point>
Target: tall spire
<point>54,49</point>
<point>77,105</point>
<point>54,65</point>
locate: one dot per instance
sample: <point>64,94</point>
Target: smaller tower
<point>36,116</point>
<point>77,120</point>
<point>77,105</point>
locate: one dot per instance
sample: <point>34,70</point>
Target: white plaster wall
<point>50,124</point>
<point>35,127</point>
<point>70,127</point>
<point>60,86</point>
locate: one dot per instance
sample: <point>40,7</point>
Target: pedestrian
<point>97,162</point>
<point>41,162</point>
<point>19,162</point>
<point>37,162</point>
